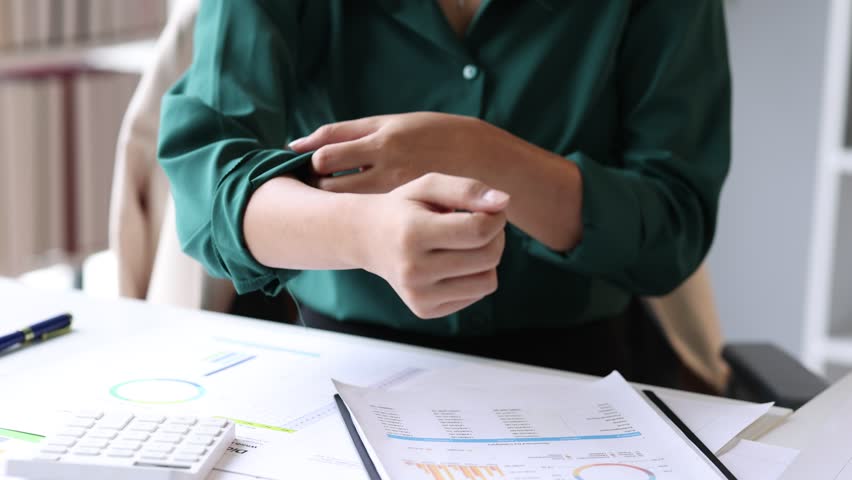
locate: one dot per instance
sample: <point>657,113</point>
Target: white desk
<point>100,322</point>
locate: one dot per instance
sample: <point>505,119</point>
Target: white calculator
<point>93,445</point>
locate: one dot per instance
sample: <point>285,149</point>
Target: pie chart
<point>612,471</point>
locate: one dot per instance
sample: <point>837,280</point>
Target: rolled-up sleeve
<point>649,221</point>
<point>223,129</point>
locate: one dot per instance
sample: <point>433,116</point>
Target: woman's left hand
<point>383,152</point>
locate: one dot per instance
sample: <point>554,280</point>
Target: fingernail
<point>295,143</point>
<point>495,197</point>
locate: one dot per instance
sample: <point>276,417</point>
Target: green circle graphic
<point>115,391</point>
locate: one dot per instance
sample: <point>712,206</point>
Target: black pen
<point>40,331</point>
<point>691,436</point>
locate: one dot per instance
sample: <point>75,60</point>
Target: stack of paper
<point>600,430</point>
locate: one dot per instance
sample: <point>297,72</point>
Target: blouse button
<point>470,71</point>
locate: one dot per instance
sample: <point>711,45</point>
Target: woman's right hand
<point>436,240</point>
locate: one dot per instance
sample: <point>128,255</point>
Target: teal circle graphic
<point>157,391</point>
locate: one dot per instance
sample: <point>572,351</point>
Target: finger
<point>336,133</point>
<point>341,157</point>
<point>454,289</point>
<point>456,193</point>
<point>367,181</point>
<point>459,263</point>
<point>461,230</point>
<point>452,307</point>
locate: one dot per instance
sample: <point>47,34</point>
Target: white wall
<point>759,260</point>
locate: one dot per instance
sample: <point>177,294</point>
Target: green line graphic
<point>259,425</point>
<point>16,435</point>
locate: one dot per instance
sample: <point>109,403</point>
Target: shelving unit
<point>67,63</point>
<point>827,339</point>
<point>125,56</point>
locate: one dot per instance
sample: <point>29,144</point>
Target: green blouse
<point>636,92</point>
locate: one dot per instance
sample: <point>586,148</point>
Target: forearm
<point>290,225</point>
<point>546,190</point>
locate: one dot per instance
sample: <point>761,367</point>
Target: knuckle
<point>383,140</point>
<point>321,159</point>
<point>326,130</point>
<point>430,178</point>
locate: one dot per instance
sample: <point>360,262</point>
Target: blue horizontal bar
<point>516,440</point>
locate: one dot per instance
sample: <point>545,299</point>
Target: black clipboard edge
<point>689,434</point>
<point>356,439</point>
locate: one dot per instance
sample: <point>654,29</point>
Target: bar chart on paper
<point>444,471</point>
<point>601,431</point>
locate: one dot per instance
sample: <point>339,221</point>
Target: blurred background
<point>781,264</point>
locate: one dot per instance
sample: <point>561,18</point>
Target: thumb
<point>456,193</point>
<point>335,133</point>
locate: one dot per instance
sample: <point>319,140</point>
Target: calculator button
<point>105,434</point>
<point>55,449</point>
<point>61,441</point>
<point>191,450</point>
<point>160,447</point>
<point>186,458</point>
<point>91,452</point>
<point>213,431</point>
<point>143,426</point>
<point>165,464</point>
<point>126,445</point>
<point>137,436</point>
<point>92,414</point>
<point>80,422</point>
<point>72,432</point>
<point>47,458</point>
<point>166,437</point>
<point>119,453</point>
<point>183,420</point>
<point>174,429</point>
<point>203,440</point>
<point>213,422</point>
<point>153,456</point>
<point>93,443</point>
<point>158,419</point>
<point>115,421</point>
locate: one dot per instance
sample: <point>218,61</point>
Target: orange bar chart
<point>439,471</point>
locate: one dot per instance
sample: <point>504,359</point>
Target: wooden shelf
<point>129,56</point>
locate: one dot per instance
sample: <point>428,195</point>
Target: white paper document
<point>602,430</point>
<point>749,460</point>
<point>276,389</point>
<point>716,423</point>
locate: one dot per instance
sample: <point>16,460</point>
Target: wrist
<point>355,211</point>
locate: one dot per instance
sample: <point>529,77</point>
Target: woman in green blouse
<point>496,177</point>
